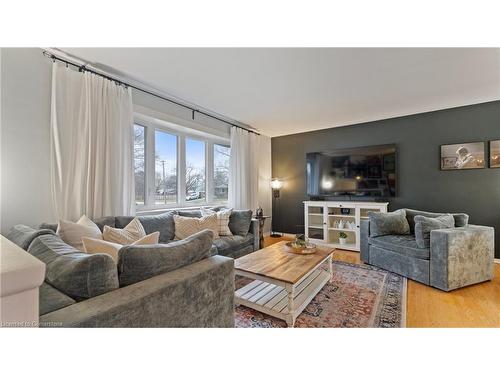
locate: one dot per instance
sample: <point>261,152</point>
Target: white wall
<point>25,149</point>
<point>25,153</point>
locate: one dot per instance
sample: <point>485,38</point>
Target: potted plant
<point>342,238</point>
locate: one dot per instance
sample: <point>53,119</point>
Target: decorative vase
<point>341,224</point>
<point>342,241</point>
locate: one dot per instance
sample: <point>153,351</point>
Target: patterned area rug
<point>358,296</point>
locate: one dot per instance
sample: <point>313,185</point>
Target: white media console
<point>325,220</point>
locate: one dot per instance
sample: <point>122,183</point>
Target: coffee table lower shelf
<point>272,299</point>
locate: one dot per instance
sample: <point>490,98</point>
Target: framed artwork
<point>495,154</point>
<point>462,156</point>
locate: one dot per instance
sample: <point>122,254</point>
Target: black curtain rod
<point>82,68</point>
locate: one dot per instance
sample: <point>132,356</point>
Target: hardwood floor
<point>472,306</point>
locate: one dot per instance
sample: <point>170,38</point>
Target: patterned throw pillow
<point>187,226</point>
<point>131,233</point>
<point>222,219</point>
<point>96,246</point>
<point>72,233</point>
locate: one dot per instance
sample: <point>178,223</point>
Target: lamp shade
<point>276,184</point>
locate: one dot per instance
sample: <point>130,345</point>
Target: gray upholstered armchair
<point>453,258</point>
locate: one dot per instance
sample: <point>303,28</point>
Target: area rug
<point>358,296</point>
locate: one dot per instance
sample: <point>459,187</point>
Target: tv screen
<point>358,172</point>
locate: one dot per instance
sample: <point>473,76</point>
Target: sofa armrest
<point>198,295</point>
<point>364,234</point>
<point>255,230</point>
<point>461,256</point>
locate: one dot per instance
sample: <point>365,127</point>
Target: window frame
<point>150,126</point>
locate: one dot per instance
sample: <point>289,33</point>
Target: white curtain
<point>244,170</point>
<point>91,145</point>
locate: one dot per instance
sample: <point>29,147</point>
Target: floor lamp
<point>276,185</point>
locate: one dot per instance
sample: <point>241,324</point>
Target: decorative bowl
<point>309,248</point>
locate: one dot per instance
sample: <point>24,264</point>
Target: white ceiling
<point>282,91</point>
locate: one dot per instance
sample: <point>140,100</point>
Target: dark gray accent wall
<point>421,183</point>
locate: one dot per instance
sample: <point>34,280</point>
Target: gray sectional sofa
<point>183,283</point>
<point>451,258</point>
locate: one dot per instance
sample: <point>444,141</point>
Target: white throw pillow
<point>94,246</point>
<point>131,233</point>
<point>222,219</point>
<point>187,226</point>
<point>72,233</point>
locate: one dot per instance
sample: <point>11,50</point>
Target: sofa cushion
<point>123,221</point>
<point>75,273</point>
<point>228,245</point>
<point>461,219</point>
<point>72,233</point>
<point>187,226</point>
<point>22,235</point>
<point>163,223</point>
<point>132,232</point>
<point>96,246</point>
<point>141,262</point>
<point>239,222</point>
<point>402,244</point>
<point>50,226</point>
<point>223,216</point>
<point>386,223</point>
<point>51,299</point>
<point>189,213</point>
<point>424,226</point>
<point>100,222</point>
<point>105,220</point>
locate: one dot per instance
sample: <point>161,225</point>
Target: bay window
<point>174,168</point>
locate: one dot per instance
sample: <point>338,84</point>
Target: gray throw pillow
<point>424,225</point>
<point>239,222</point>
<point>383,224</point>
<point>75,273</point>
<point>461,219</point>
<point>141,262</point>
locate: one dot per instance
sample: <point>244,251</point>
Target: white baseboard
<point>497,261</point>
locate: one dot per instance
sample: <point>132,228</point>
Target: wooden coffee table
<point>285,282</point>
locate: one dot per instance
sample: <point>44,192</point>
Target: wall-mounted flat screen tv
<point>358,172</point>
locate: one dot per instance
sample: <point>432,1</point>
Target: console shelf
<point>321,219</point>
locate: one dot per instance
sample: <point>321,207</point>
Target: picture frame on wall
<point>495,154</point>
<point>460,156</point>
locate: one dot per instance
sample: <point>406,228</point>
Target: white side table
<point>21,274</point>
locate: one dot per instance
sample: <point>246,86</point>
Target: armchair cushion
<point>382,224</point>
<point>424,226</point>
<point>461,219</point>
<point>402,244</point>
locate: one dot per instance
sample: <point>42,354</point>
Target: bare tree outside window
<point>139,171</point>
<point>195,171</point>
<point>222,156</point>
